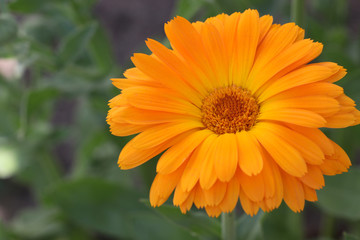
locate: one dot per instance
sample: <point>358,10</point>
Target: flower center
<point>229,110</point>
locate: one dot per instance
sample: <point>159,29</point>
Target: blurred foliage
<point>65,57</point>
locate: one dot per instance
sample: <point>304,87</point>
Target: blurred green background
<point>58,171</point>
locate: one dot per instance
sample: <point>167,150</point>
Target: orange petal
<point>187,42</point>
<point>215,194</point>
<point>340,120</point>
<point>275,41</point>
<point>131,157</point>
<point>163,185</point>
<point>124,129</point>
<point>332,167</point>
<point>157,70</point>
<point>323,105</point>
<point>310,194</point>
<point>177,154</point>
<point>276,199</point>
<point>265,24</point>
<point>317,136</point>
<point>218,19</point>
<point>215,46</point>
<point>192,171</point>
<point>188,75</point>
<point>231,196</point>
<point>118,101</point>
<point>313,178</point>
<point>208,175</point>
<point>356,114</point>
<point>287,60</point>
<point>341,72</point>
<point>135,73</point>
<point>301,34</point>
<point>286,156</point>
<point>137,116</point>
<point>161,100</point>
<point>199,199</point>
<point>213,211</point>
<point>230,28</point>
<point>337,163</point>
<point>253,186</point>
<point>250,158</point>
<point>187,204</point>
<point>268,176</point>
<point>310,151</point>
<point>225,156</point>
<point>180,196</point>
<point>247,37</point>
<point>161,133</point>
<point>307,74</point>
<point>293,193</point>
<point>123,83</point>
<point>248,206</point>
<point>346,101</point>
<point>299,117</point>
<point>317,88</point>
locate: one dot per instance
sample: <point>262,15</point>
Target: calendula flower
<point>235,106</point>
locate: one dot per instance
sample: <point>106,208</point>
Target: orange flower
<point>235,106</point>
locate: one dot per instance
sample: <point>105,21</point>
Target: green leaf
<point>348,236</point>
<point>26,6</point>
<point>196,222</point>
<point>229,6</point>
<point>75,43</point>
<point>43,54</point>
<point>39,168</point>
<point>282,224</point>
<point>188,8</point>
<point>97,204</point>
<point>101,51</point>
<point>5,232</point>
<point>341,195</point>
<point>111,209</point>
<point>38,97</point>
<point>8,28</point>
<point>92,141</point>
<point>149,226</point>
<point>36,223</point>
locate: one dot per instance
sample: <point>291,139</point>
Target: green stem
<point>328,226</point>
<point>228,226</point>
<point>297,12</point>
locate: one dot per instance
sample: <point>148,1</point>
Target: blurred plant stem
<point>328,223</point>
<point>23,112</point>
<point>355,229</point>
<point>228,226</point>
<point>297,12</point>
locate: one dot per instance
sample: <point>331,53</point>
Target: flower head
<point>236,107</point>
